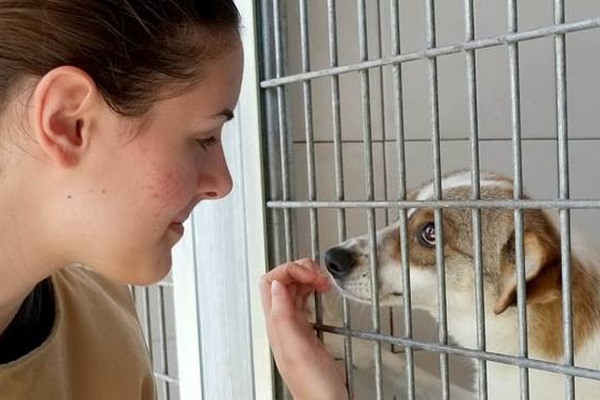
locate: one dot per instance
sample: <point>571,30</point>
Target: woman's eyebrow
<point>227,113</point>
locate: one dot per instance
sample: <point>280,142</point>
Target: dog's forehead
<point>458,186</point>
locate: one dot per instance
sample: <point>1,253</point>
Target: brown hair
<point>132,49</point>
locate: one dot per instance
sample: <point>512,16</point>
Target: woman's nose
<point>215,182</point>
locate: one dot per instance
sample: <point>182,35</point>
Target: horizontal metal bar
<point>166,378</point>
<point>438,51</point>
<point>580,372</point>
<point>457,139</point>
<point>509,204</point>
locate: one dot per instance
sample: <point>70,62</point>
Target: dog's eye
<point>427,236</point>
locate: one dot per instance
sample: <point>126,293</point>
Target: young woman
<point>110,121</point>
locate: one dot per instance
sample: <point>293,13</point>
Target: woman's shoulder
<point>83,281</point>
<point>96,339</point>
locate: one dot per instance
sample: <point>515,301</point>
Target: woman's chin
<point>140,272</point>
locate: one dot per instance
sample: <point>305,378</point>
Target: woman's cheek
<point>170,189</point>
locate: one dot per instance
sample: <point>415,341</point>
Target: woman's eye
<point>206,143</point>
<point>427,236</point>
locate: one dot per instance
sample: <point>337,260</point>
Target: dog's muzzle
<point>339,262</point>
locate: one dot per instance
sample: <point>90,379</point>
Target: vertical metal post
<point>310,147</point>
<point>164,363</point>
<point>187,318</point>
<point>382,112</point>
<point>339,175</point>
<point>475,194</point>
<point>148,323</point>
<point>308,127</point>
<point>435,142</point>
<point>271,122</point>
<point>370,189</point>
<point>401,153</point>
<point>513,54</point>
<point>563,173</point>
<point>283,131</point>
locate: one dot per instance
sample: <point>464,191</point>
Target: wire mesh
<point>344,167</point>
<point>156,310</point>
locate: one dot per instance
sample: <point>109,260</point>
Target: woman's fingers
<point>301,277</point>
<point>303,361</point>
<point>303,271</point>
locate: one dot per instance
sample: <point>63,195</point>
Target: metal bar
<point>493,41</point>
<point>164,368</point>
<point>523,362</point>
<point>483,204</point>
<point>370,191</point>
<point>563,179</point>
<point>148,323</point>
<point>283,131</point>
<point>198,299</point>
<point>437,185</point>
<point>310,148</point>
<point>475,195</point>
<point>339,176</point>
<point>384,171</point>
<point>308,127</point>
<point>165,378</point>
<point>513,55</point>
<point>270,120</point>
<point>461,139</point>
<point>401,153</point>
<point>280,45</point>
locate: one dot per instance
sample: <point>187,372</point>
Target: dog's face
<point>349,263</point>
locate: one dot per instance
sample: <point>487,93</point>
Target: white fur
<point>501,330</point>
<point>457,180</point>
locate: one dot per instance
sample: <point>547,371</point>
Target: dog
<point>348,264</point>
<point>394,369</point>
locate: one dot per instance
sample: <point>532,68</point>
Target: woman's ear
<point>61,114</point>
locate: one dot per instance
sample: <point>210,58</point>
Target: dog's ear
<point>542,269</point>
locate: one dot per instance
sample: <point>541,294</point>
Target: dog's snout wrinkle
<point>339,261</point>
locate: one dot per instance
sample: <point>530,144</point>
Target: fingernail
<point>276,288</point>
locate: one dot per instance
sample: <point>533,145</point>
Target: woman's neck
<point>22,262</point>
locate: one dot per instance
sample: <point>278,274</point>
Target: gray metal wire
<point>339,176</point>
<point>515,97</point>
<point>149,307</point>
<point>522,362</point>
<point>477,204</point>
<point>483,43</point>
<point>401,155</point>
<point>475,193</point>
<point>370,191</point>
<point>519,204</point>
<point>283,131</point>
<point>563,190</point>
<point>437,186</point>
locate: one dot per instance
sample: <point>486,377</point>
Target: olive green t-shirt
<point>95,350</point>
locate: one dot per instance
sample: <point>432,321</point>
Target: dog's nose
<point>339,261</point>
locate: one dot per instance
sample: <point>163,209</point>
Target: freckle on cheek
<point>166,188</point>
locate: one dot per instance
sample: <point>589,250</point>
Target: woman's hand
<point>303,361</point>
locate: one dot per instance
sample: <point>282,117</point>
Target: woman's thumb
<point>281,304</point>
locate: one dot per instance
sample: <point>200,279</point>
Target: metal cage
<point>362,99</point>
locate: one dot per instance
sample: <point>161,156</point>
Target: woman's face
<point>141,184</point>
